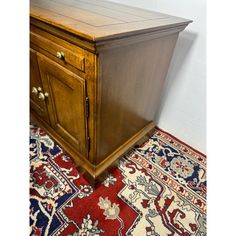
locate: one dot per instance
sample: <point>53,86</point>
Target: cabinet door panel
<point>66,102</point>
<point>36,104</point>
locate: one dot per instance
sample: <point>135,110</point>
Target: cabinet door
<point>36,104</point>
<point>66,102</point>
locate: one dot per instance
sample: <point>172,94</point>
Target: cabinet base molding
<point>92,173</point>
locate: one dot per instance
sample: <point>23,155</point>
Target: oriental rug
<point>158,188</point>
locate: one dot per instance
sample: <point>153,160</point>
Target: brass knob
<point>43,96</point>
<point>60,55</point>
<point>34,90</point>
<point>39,89</point>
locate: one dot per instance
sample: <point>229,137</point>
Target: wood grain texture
<point>66,102</point>
<point>105,90</point>
<point>62,34</point>
<point>71,56</point>
<point>98,20</point>
<point>36,104</point>
<point>131,79</point>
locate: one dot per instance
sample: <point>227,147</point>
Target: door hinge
<point>88,144</point>
<point>87,106</point>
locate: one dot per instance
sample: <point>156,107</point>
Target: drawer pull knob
<point>39,89</point>
<point>43,96</point>
<point>60,55</point>
<point>34,90</point>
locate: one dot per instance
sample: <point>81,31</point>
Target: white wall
<point>183,107</point>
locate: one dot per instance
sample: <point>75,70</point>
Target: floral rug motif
<point>157,189</point>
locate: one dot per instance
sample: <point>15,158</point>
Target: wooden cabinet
<point>36,104</point>
<point>96,78</point>
<point>66,102</point>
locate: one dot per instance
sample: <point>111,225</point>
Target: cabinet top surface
<point>98,20</point>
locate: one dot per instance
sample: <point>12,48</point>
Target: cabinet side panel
<point>131,80</point>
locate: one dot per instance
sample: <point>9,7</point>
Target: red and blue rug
<point>159,188</point>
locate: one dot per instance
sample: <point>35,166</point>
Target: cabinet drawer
<point>62,50</point>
